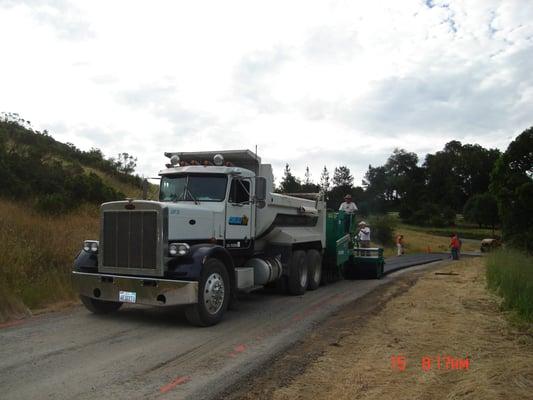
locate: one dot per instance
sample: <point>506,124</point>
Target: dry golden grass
<point>421,242</point>
<point>37,252</point>
<point>447,315</point>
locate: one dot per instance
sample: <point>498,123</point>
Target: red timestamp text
<point>428,363</point>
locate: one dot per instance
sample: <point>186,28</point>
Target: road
<point>143,352</point>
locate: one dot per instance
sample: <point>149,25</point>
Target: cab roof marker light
<point>218,160</point>
<point>174,160</point>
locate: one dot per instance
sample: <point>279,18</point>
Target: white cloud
<point>310,83</point>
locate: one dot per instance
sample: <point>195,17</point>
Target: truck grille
<point>130,239</point>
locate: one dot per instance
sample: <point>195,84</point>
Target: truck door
<point>239,216</point>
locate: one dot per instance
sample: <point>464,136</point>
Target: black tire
<point>313,259</point>
<point>379,271</point>
<point>297,280</point>
<point>100,306</point>
<point>212,301</point>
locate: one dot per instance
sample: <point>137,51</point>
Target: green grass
<point>510,274</point>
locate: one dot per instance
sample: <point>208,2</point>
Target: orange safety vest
<point>455,243</point>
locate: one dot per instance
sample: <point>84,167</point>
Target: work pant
<point>347,223</point>
<point>455,254</point>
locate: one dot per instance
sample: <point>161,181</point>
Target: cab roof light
<point>218,159</point>
<point>174,160</point>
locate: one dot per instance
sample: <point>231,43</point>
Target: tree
<point>458,172</point>
<point>126,163</point>
<point>324,180</point>
<point>342,177</point>
<point>309,186</point>
<point>289,183</point>
<point>482,209</point>
<point>342,185</point>
<point>404,177</point>
<point>512,185</point>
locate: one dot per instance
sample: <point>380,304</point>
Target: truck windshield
<point>189,187</point>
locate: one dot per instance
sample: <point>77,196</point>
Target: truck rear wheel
<point>213,295</point>
<point>313,259</point>
<point>297,281</point>
<point>100,306</point>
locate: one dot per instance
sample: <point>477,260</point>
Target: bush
<point>510,274</point>
<point>382,228</point>
<point>54,204</point>
<point>406,212</point>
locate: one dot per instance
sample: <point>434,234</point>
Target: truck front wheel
<point>298,278</point>
<point>314,265</point>
<point>213,295</point>
<point>100,306</point>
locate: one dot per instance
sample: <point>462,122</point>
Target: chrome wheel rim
<point>214,293</point>
<point>317,273</point>
<point>303,276</point>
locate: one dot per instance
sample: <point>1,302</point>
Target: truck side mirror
<point>260,188</point>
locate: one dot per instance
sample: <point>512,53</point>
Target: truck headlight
<point>91,246</point>
<point>178,249</point>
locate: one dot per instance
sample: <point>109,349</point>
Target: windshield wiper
<point>196,201</point>
<point>183,195</point>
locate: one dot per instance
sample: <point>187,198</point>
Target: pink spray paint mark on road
<point>237,350</point>
<point>12,323</point>
<point>180,380</point>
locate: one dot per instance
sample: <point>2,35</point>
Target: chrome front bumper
<point>149,291</point>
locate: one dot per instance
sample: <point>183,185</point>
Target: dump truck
<point>217,229</point>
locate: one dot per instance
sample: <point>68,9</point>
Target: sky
<point>310,83</point>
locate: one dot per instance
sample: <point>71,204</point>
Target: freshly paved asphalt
<point>410,260</point>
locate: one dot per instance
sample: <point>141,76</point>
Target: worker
<point>455,245</point>
<point>364,234</point>
<point>399,244</point>
<point>349,207</point>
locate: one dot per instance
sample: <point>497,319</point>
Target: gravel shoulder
<point>431,314</point>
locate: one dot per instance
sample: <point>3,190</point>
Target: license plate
<point>127,297</point>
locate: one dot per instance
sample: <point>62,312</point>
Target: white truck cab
<point>216,229</point>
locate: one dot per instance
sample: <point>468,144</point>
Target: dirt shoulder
<point>430,315</point>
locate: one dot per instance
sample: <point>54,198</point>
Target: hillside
<point>48,206</point>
